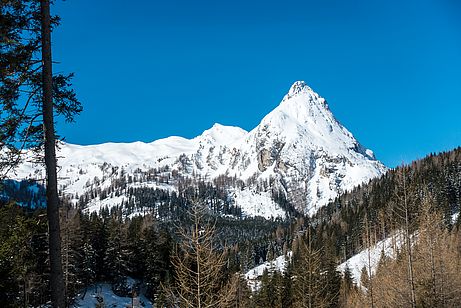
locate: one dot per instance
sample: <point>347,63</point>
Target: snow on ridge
<point>299,144</point>
<point>298,87</point>
<point>220,134</point>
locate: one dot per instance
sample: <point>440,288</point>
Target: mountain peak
<point>298,87</point>
<point>299,148</point>
<point>303,107</point>
<point>300,92</point>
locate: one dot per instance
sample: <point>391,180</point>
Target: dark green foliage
<point>23,257</point>
<point>155,251</point>
<point>266,296</point>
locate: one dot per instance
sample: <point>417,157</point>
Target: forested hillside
<point>152,244</point>
<point>382,202</point>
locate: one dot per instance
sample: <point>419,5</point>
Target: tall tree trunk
<point>408,242</point>
<point>52,198</point>
<point>311,268</point>
<point>370,286</point>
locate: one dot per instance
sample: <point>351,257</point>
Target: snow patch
<point>454,218</point>
<point>254,203</point>
<point>253,276</point>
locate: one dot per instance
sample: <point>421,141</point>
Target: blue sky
<point>144,70</point>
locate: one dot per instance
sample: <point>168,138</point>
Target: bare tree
<point>199,266</point>
<point>436,265</point>
<point>403,210</point>
<point>369,245</point>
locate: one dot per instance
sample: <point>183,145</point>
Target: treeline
<point>150,192</point>
<point>110,247</point>
<point>203,277</point>
<point>94,249</point>
<point>421,202</point>
<point>26,192</point>
<point>24,266</point>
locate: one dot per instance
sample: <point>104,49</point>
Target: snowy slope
<point>254,203</point>
<point>298,148</point>
<point>391,245</point>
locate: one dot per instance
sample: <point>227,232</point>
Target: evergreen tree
<point>72,250</point>
<point>156,247</point>
<point>23,258</point>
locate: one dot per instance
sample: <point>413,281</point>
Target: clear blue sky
<point>390,70</point>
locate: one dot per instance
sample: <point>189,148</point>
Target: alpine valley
<point>294,213</point>
<point>299,153</point>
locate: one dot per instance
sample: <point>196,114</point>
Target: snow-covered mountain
<point>298,148</point>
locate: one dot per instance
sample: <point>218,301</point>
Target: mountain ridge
<point>299,148</point>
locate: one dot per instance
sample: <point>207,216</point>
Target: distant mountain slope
<point>299,149</point>
<point>437,177</point>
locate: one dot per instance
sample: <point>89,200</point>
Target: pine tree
<point>23,258</point>
<point>155,254</point>
<point>266,293</point>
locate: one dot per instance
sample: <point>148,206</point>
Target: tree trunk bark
<point>370,289</point>
<point>52,198</point>
<point>408,242</point>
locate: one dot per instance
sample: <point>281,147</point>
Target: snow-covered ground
<point>390,246</point>
<point>96,204</point>
<point>254,203</point>
<point>103,295</point>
